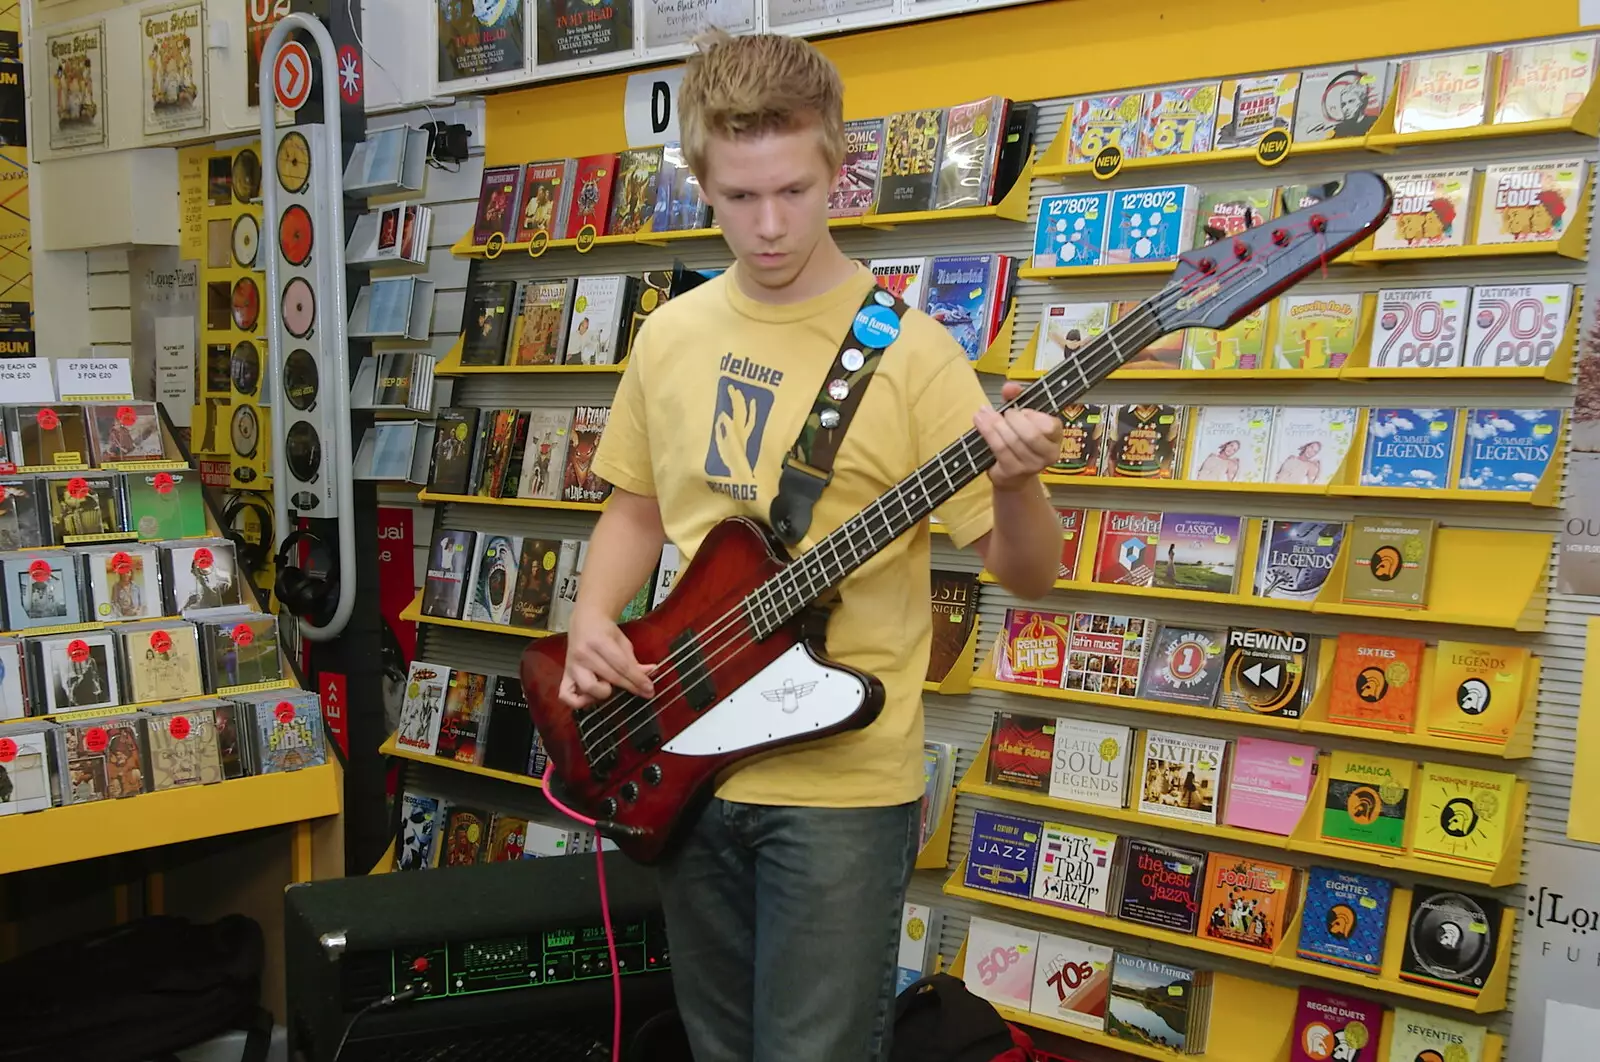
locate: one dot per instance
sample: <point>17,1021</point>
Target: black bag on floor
<point>133,992</point>
<point>938,1020</point>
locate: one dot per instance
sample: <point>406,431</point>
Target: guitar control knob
<point>652,774</point>
<point>608,807</point>
<point>630,792</point>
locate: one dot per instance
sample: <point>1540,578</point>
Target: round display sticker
<point>179,727</point>
<point>875,326</point>
<point>243,636</point>
<point>160,641</point>
<point>163,483</point>
<point>121,563</point>
<point>284,713</point>
<point>95,739</point>
<point>78,487</point>
<point>203,558</point>
<point>125,416</point>
<point>852,360</point>
<point>77,650</point>
<point>48,420</point>
<point>40,570</point>
<point>8,750</point>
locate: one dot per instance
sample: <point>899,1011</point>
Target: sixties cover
<point>1431,209</point>
<point>1517,325</point>
<point>1419,328</point>
<point>856,189</point>
<point>1162,885</point>
<point>1198,551</point>
<point>1309,443</point>
<point>1184,666</point>
<point>1106,653</point>
<point>1375,681</point>
<point>1508,449</point>
<point>1341,101</point>
<point>1229,444</point>
<point>1442,92</point>
<point>1529,201</point>
<point>1346,919</point>
<point>1099,122</point>
<point>1181,776</point>
<point>1317,331</point>
<point>1248,108</point>
<point>1296,558</point>
<point>1071,230</point>
<point>909,178</point>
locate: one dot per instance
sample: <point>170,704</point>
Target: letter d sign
<point>650,107</point>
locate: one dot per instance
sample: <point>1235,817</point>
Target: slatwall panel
<point>965,720</point>
<point>110,304</point>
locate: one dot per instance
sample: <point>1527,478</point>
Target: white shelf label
<point>94,378</point>
<point>26,380</point>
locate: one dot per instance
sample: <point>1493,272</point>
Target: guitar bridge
<point>699,692</point>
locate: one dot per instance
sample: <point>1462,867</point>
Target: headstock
<point>1217,284</point>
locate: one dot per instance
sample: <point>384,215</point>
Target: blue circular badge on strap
<point>875,326</point>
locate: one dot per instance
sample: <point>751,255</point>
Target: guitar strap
<point>808,466</point>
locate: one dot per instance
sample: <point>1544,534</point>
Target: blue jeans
<point>784,923</point>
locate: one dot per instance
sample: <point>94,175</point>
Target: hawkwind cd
<point>294,162</point>
<point>245,367</point>
<point>246,175</point>
<point>246,237</point>
<point>246,304</point>
<point>300,379</point>
<point>299,307</point>
<point>303,452</point>
<point>294,235</point>
<point>246,431</point>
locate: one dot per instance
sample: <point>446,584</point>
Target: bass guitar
<point>740,635</point>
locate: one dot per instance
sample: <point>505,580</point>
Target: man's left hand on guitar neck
<point>1024,550</point>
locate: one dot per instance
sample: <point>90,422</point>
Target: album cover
<point>464,727</point>
<point>1184,666</point>
<point>199,574</point>
<point>1543,80</point>
<point>164,504</point>
<point>633,194</point>
<point>1309,443</point>
<point>1442,92</point>
<point>1144,441</point>
<point>569,570</point>
<point>1317,331</point>
<point>230,738</point>
<point>1072,981</point>
<point>1508,449</point>
<point>183,746</point>
<point>419,831</point>
<point>83,504</point>
<point>1089,762</point>
<point>287,734</point>
<point>1071,230</point>
<point>1181,776</point>
<point>13,680</point>
<point>1161,886</point>
<point>1389,561</point>
<point>1529,201</point>
<point>1295,558</point>
<point>595,334</point>
<point>1198,552</point>
<point>124,583</point>
<point>452,450</point>
<point>544,458</point>
<point>1020,751</point>
<point>1431,208</point>
<point>1345,920</point>
<point>1100,122</point>
<point>1269,785</point>
<point>494,578</point>
<point>1247,902</point>
<point>908,181</point>
<point>967,157</point>
<point>78,671</point>
<point>1248,108</point>
<point>1151,224</point>
<point>486,321</point>
<point>1423,1036</point>
<point>1076,867</point>
<point>422,709</point>
<point>510,726</point>
<point>52,435</point>
<point>23,523</point>
<point>1366,800</point>
<point>546,198</point>
<point>444,587</point>
<point>856,187</point>
<point>1419,328</point>
<point>1033,648</point>
<point>961,293</point>
<point>242,650</point>
<point>1375,680</point>
<point>104,759</point>
<point>1518,325</point>
<point>579,482</point>
<point>901,276</point>
<point>1477,691</point>
<point>1226,212</point>
<point>1451,939</point>
<point>1229,444</point>
<point>1002,854</point>
<point>1267,672</point>
<point>954,598</point>
<point>161,661</point>
<point>507,838</point>
<point>1159,1006</point>
<point>1327,1026</point>
<point>25,768</point>
<point>1125,554</point>
<point>1463,814</point>
<point>1342,101</point>
<point>1071,542</point>
<point>1179,120</point>
<point>497,204</point>
<point>539,334</point>
<point>1083,430</point>
<point>536,583</point>
<point>1008,983</point>
<point>1105,653</point>
<point>43,589</point>
<point>1065,329</point>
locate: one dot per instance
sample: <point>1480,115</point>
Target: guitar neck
<point>913,499</point>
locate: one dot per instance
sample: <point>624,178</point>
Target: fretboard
<point>913,499</point>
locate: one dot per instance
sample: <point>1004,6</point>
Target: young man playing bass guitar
<point>783,898</point>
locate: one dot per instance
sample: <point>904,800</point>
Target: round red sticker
<point>77,650</point>
<point>179,727</point>
<point>48,420</point>
<point>2,494</point>
<point>202,558</point>
<point>78,487</point>
<point>284,712</point>
<point>125,416</point>
<point>121,563</point>
<point>8,750</point>
<point>162,483</point>
<point>94,739</point>
<point>160,641</point>
<point>40,570</point>
<point>243,635</point>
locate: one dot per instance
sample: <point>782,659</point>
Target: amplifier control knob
<point>630,792</point>
<point>652,774</point>
<point>608,807</point>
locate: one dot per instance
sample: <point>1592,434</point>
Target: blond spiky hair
<point>749,86</point>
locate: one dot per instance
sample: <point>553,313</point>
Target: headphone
<point>252,555</point>
<point>302,592</point>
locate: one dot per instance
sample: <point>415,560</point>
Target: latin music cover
<point>48,435</point>
<point>1179,120</point>
<point>1076,867</point>
<point>1419,1035</point>
<point>1184,665</point>
<point>1267,672</point>
<point>1159,1005</point>
<point>1295,558</point>
<point>1198,551</point>
<point>1516,325</point>
<point>1375,682</point>
<point>42,589</point>
<point>539,334</point>
<point>591,197</point>
<point>902,276</point>
<point>910,161</point>
<point>162,661</point>
<point>1225,212</point>
<point>633,194</point>
<point>1248,108</point>
<point>1144,441</point>
<point>1002,853</point>
<point>1071,230</point>
<point>124,583</point>
<point>497,203</point>
<point>1090,763</point>
<point>1508,449</point>
<point>1106,653</point>
<point>1125,554</point>
<point>856,188</point>
<point>21,526</point>
<point>486,321</point>
<point>1543,81</point>
<point>124,431</point>
<point>1151,224</point>
<point>960,295</point>
<point>1247,902</point>
<point>1181,775</point>
<point>1366,800</point>
<point>1527,202</point>
<point>422,709</point>
<point>419,831</point>
<point>83,503</point>
<point>77,104</point>
<point>1269,785</point>
<point>1020,748</point>
<point>1161,886</point>
<point>971,144</point>
<point>463,729</point>
<point>1317,331</point>
<point>1463,814</point>
<point>1082,441</point>
<point>1327,1026</point>
<point>479,39</point>
<point>1242,345</point>
<point>1164,353</point>
<point>580,484</point>
<point>536,583</point>
<point>1033,648</point>
<point>1071,542</point>
<point>595,326</point>
<point>1451,939</point>
<point>183,747</point>
<point>1345,919</point>
<point>1341,101</point>
<point>1477,691</point>
<point>444,586</point>
<point>79,671</point>
<point>576,29</point>
<point>1309,443</point>
<point>955,611</point>
<point>1072,981</point>
<point>1431,208</point>
<point>1065,328</point>
<point>1100,122</point>
<point>546,197</point>
<point>1413,448</point>
<point>1229,444</point>
<point>494,578</point>
<point>1442,92</point>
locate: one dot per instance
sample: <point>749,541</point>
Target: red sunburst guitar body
<point>615,761</point>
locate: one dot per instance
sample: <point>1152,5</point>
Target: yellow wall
<point>1059,48</point>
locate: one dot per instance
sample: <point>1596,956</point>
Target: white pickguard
<point>790,697</point>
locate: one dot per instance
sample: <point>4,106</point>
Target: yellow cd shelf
<point>514,503</point>
<point>413,612</point>
<point>392,748</point>
<point>450,365</point>
<point>1122,269</point>
<point>1207,486</point>
<point>150,820</point>
<point>1583,122</point>
<point>997,356</point>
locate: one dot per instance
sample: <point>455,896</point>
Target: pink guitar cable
<point>605,912</point>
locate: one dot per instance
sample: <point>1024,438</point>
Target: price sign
<point>178,727</point>
<point>26,380</point>
<point>88,378</point>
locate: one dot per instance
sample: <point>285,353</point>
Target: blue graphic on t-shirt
<point>737,426</point>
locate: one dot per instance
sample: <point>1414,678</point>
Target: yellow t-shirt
<point>716,389</point>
